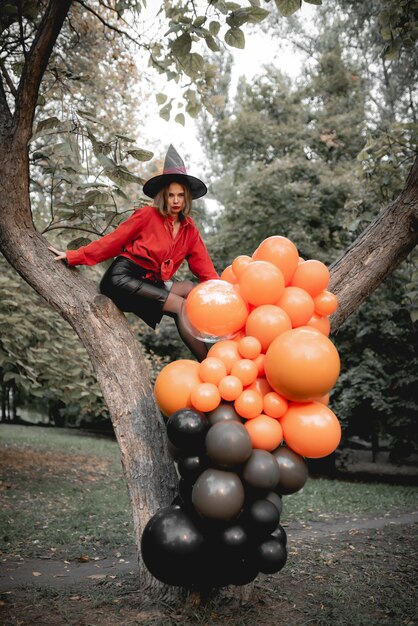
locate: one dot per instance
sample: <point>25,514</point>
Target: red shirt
<point>146,238</point>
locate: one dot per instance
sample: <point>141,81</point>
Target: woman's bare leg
<point>172,307</point>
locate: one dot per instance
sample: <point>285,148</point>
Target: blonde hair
<point>160,200</point>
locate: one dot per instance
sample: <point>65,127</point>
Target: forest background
<point>314,158</point>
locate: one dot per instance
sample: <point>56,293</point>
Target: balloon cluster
<point>241,422</point>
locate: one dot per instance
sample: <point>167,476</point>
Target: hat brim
<point>155,184</point>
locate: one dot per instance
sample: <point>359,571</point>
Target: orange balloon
<point>274,405</point>
<point>302,364</point>
<point>240,263</point>
<point>312,276</point>
<point>216,308</point>
<point>227,351</point>
<point>205,397</point>
<point>249,347</point>
<point>249,404</point>
<point>229,275</point>
<point>320,323</point>
<point>261,282</point>
<point>211,370</point>
<point>261,385</point>
<point>311,429</point>
<point>259,361</point>
<point>298,304</point>
<point>230,388</point>
<point>267,322</point>
<point>324,399</point>
<point>281,252</point>
<point>174,385</point>
<point>246,370</point>
<point>326,303</point>
<point>265,432</point>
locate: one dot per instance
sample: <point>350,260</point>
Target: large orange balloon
<point>298,304</point>
<point>312,276</point>
<point>320,323</point>
<point>311,429</point>
<point>302,364</point>
<point>205,397</point>
<point>174,385</point>
<point>326,303</point>
<point>261,282</point>
<point>230,388</point>
<point>265,432</point>
<point>246,370</point>
<point>216,308</point>
<point>227,351</point>
<point>281,252</point>
<point>211,370</point>
<point>229,275</point>
<point>266,323</point>
<point>249,404</point>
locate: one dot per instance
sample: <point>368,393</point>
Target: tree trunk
<point>377,252</point>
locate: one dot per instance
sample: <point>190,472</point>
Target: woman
<point>149,248</point>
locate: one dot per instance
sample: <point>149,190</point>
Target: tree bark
<point>377,252</point>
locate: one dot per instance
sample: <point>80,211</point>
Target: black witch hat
<point>174,172</point>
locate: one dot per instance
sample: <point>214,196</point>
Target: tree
<point>118,361</point>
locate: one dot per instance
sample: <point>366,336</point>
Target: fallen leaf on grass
<point>83,558</point>
<point>36,573</point>
<point>96,576</point>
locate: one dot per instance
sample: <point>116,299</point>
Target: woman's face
<point>175,198</point>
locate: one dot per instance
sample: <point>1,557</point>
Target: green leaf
<point>211,43</point>
<point>193,64</point>
<point>160,98</point>
<point>165,112</point>
<point>199,21</point>
<point>214,28</point>
<point>235,38</point>
<point>180,119</point>
<point>288,7</point>
<point>141,155</point>
<point>106,161</point>
<point>317,2</point>
<point>181,47</point>
<point>49,122</point>
<point>78,242</point>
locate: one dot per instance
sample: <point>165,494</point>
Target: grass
<point>64,495</point>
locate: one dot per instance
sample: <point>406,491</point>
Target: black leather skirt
<point>124,283</point>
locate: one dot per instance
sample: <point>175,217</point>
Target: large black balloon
<point>190,467</point>
<point>228,444</point>
<point>186,429</point>
<point>261,471</point>
<point>271,556</point>
<point>261,518</point>
<point>293,470</point>
<point>172,546</point>
<point>223,413</point>
<point>276,499</point>
<point>218,495</point>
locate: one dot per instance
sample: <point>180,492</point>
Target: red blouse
<point>146,238</point>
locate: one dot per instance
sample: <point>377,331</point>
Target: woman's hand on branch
<point>61,256</point>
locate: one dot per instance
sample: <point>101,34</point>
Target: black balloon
<point>280,535</point>
<point>186,429</point>
<point>261,471</point>
<point>171,547</point>
<point>185,491</point>
<point>234,538</point>
<point>261,518</point>
<point>228,444</point>
<point>190,467</point>
<point>293,470</point>
<point>218,495</point>
<point>223,413</point>
<point>174,452</point>
<point>276,499</point>
<point>271,556</point>
<point>241,571</point>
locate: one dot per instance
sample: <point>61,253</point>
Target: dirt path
<point>62,574</point>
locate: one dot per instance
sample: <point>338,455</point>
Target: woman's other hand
<point>61,256</point>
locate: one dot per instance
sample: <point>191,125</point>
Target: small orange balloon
<point>259,361</point>
<point>261,282</point>
<point>205,397</point>
<point>240,263</point>
<point>211,370</point>
<point>230,388</point>
<point>320,323</point>
<point>216,308</point>
<point>249,404</point>
<point>246,370</point>
<point>261,385</point>
<point>265,432</point>
<point>267,322</point>
<point>229,275</point>
<point>274,405</point>
<point>281,252</point>
<point>249,347</point>
<point>311,429</point>
<point>174,385</point>
<point>312,276</point>
<point>302,364</point>
<point>326,303</point>
<point>298,304</point>
<point>227,351</point>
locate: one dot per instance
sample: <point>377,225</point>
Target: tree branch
<point>7,78</point>
<point>36,62</point>
<point>107,24</point>
<point>5,114</point>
